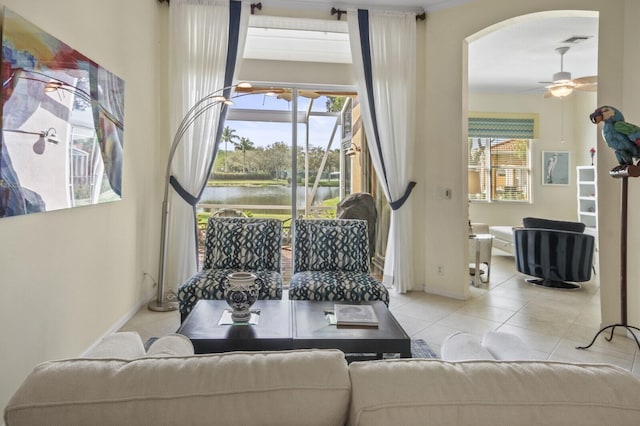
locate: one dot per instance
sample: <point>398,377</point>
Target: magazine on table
<point>355,315</point>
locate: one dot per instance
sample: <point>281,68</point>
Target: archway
<point>507,66</point>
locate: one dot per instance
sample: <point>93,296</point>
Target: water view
<point>263,195</point>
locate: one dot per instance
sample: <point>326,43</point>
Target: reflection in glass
<point>62,124</point>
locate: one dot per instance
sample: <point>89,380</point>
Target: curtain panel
<point>383,46</point>
<point>204,38</point>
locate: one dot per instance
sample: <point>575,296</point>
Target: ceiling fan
<point>281,93</point>
<point>562,84</point>
<point>286,93</point>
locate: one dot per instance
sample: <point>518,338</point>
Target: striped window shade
<point>503,127</point>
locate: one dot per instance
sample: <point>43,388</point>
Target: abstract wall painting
<point>62,123</point>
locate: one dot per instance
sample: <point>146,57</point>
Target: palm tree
<point>335,103</point>
<point>244,145</point>
<point>228,135</point>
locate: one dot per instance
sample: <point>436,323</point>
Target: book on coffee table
<point>355,315</point>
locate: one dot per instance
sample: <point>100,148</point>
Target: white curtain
<point>383,47</point>
<point>198,46</point>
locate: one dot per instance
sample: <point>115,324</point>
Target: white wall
<point>444,113</point>
<point>576,135</point>
<point>68,276</point>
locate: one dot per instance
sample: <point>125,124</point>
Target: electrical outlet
<point>440,269</point>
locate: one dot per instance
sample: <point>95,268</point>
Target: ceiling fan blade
<point>588,87</point>
<point>285,93</point>
<point>592,79</point>
<point>308,94</point>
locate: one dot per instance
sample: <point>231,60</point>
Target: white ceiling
<point>514,58</point>
<point>517,57</point>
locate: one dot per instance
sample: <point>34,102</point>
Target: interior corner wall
<point>445,156</point>
<point>585,133</point>
<point>68,276</point>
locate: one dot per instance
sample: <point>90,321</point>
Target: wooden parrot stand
<point>624,173</point>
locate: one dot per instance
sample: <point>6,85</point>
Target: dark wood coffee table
<point>296,324</point>
<point>312,330</point>
<point>273,331</point>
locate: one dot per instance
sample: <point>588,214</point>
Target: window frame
<point>499,128</point>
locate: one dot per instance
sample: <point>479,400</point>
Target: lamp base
<point>630,330</point>
<point>165,306</point>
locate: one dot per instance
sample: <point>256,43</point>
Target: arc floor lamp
<point>212,100</point>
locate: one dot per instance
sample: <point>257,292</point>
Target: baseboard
<point>443,293</point>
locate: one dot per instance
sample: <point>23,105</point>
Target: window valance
<point>504,127</point>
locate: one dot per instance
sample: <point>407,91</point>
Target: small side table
<point>480,253</point>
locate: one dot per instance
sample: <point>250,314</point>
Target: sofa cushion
<point>334,249</point>
<point>238,245</point>
<point>337,285</point>
<point>320,240</point>
<point>237,388</point>
<point>171,345</point>
<point>418,392</point>
<point>125,345</point>
<point>534,222</point>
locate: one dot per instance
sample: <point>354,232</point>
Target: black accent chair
<point>554,252</point>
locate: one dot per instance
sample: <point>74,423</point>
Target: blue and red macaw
<point>622,137</point>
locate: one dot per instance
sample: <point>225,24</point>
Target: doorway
<point>511,68</point>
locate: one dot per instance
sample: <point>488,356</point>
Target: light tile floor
<point>552,322</point>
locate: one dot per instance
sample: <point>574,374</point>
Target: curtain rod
<point>419,17</point>
<point>254,6</point>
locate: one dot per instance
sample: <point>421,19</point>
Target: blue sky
<point>266,133</point>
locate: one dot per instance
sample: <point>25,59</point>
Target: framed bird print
<point>555,167</point>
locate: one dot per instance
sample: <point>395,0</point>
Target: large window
<point>499,158</point>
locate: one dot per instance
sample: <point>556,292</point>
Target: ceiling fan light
<point>561,90</point>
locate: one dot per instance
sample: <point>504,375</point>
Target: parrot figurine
<point>622,137</point>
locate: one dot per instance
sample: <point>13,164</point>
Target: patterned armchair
<point>235,244</point>
<point>331,262</point>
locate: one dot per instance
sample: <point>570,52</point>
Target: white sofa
<point>318,387</point>
<point>503,238</point>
